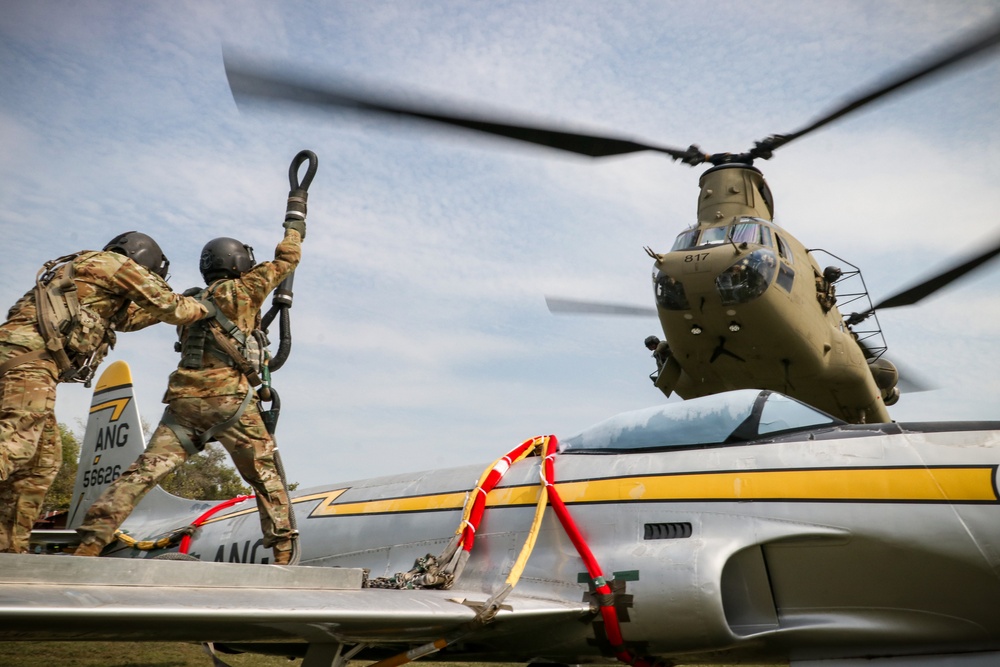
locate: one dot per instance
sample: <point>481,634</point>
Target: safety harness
<point>219,336</point>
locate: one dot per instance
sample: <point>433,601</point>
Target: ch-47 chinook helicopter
<point>742,302</point>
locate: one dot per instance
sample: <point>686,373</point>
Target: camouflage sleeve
<point>136,318</point>
<point>152,299</point>
<point>263,278</point>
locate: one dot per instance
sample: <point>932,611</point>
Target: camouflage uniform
<point>198,399</point>
<point>126,297</point>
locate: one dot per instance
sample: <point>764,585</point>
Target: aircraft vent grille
<point>667,531</point>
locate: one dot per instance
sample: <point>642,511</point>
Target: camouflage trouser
<point>30,447</point>
<point>247,442</point>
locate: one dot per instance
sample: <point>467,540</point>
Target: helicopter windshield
<point>735,416</point>
<point>686,239</point>
<point>744,230</point>
<point>713,236</point>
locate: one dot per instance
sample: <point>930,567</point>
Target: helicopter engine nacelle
<point>885,373</point>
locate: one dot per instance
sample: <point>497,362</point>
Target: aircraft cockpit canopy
<point>731,417</point>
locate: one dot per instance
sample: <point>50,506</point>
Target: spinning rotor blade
<point>248,81</point>
<point>909,381</point>
<point>975,44</point>
<point>574,307</point>
<point>921,291</point>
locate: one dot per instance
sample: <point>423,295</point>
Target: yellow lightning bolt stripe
<point>440,501</point>
<point>973,484</point>
<point>326,496</point>
<point>118,404</point>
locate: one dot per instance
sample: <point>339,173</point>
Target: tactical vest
<point>218,336</point>
<point>76,337</point>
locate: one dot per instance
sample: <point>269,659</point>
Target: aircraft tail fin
<point>112,441</point>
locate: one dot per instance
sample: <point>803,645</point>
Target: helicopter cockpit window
<point>713,236</point>
<point>765,233</point>
<point>748,278</point>
<point>685,240</point>
<point>746,231</point>
<point>783,250</point>
<point>720,419</point>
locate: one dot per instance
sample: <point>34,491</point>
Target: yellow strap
<point>149,545</point>
<point>470,499</point>
<point>529,542</point>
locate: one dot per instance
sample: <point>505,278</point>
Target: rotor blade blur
<point>911,382</point>
<point>974,44</point>
<point>921,291</point>
<point>247,81</point>
<point>908,381</point>
<point>574,307</point>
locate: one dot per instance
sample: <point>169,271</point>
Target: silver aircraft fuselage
<point>876,539</point>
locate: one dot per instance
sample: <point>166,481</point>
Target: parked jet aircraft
<point>743,526</point>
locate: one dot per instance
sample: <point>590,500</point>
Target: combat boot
<point>284,549</point>
<point>89,549</point>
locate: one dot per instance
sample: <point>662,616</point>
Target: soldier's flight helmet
<point>141,249</point>
<point>225,258</point>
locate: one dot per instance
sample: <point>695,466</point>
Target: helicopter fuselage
<point>743,304</point>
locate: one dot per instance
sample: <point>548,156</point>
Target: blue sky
<point>421,337</point>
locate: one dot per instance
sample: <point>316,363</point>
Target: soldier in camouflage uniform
<point>208,393</point>
<point>120,288</point>
<point>21,496</point>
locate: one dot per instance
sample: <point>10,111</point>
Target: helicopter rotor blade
<point>561,306</point>
<point>911,382</point>
<point>972,45</point>
<point>922,290</point>
<point>249,81</point>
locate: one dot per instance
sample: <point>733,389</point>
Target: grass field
<point>148,654</point>
<point>145,654</point>
<point>124,654</point>
<point>121,654</point>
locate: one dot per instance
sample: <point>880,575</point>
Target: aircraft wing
<point>68,598</point>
